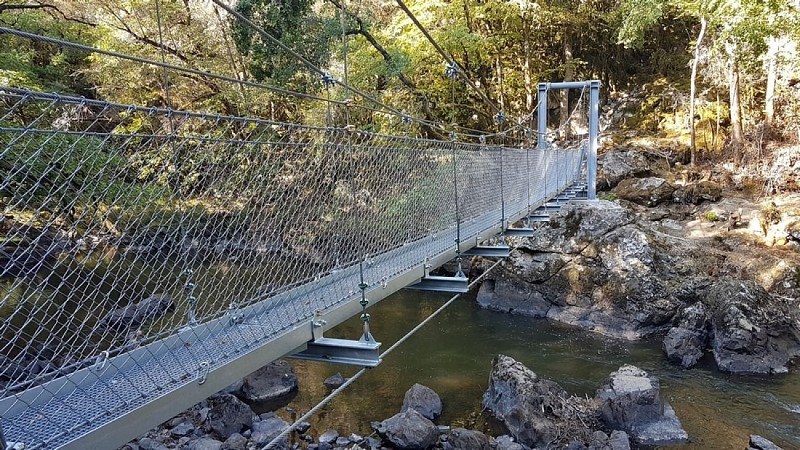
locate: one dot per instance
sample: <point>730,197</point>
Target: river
<point>453,354</point>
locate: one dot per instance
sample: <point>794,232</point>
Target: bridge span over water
<point>151,257</point>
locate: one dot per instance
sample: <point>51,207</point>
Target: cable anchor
<point>235,317</point>
<point>451,70</point>
<point>366,336</point>
<point>327,80</point>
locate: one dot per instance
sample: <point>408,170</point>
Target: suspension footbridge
<point>152,256</point>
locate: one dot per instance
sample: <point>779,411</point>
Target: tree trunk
<point>568,75</point>
<point>737,136</point>
<point>529,92</point>
<point>693,89</point>
<point>772,76</point>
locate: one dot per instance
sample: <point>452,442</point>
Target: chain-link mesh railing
<point>124,227</point>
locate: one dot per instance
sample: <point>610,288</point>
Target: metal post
<point>541,129</point>
<point>591,162</point>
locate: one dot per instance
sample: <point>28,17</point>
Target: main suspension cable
<point>201,73</point>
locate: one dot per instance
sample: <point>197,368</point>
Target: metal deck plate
<point>342,351</point>
<point>457,285</point>
<point>492,251</point>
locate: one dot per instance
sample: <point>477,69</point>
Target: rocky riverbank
<point>711,274</point>
<point>526,410</point>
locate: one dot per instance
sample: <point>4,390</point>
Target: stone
<point>302,427</point>
<point>267,429</point>
<point>685,343</point>
<point>535,411</point>
<point>750,333</point>
<point>228,415</point>
<point>334,381</point>
<point>619,440</point>
<point>342,441</point>
<point>328,437</point>
<point>408,430</point>
<point>150,444</point>
<point>506,442</point>
<point>696,193</point>
<point>272,384</point>
<point>650,191</point>
<point>204,444</point>
<point>424,399</point>
<point>463,439</point>
<point>613,167</point>
<point>632,402</point>
<point>183,429</point>
<point>759,443</point>
<point>235,442</point>
<point>136,313</point>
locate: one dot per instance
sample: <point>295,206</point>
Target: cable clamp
<point>202,372</point>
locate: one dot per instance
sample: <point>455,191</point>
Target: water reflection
<point>452,355</point>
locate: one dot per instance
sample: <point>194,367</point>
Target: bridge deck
<point>106,405</point>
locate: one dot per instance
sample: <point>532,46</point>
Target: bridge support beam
<point>594,111</point>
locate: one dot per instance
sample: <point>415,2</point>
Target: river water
<point>453,354</point>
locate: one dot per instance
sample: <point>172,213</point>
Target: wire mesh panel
<point>125,229</point>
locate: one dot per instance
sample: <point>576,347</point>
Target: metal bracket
<point>202,372</point>
<point>458,285</point>
<point>519,232</point>
<point>342,351</point>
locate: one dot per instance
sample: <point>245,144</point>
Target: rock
<point>463,439</point>
<point>614,167</point>
<point>183,429</point>
<point>271,384</point>
<point>204,444</point>
<point>506,442</point>
<point>592,267</point>
<point>235,442</point>
<point>649,191</point>
<point>328,437</point>
<point>684,344</point>
<point>535,411</point>
<point>408,430</point>
<point>228,415</point>
<point>759,443</point>
<point>334,381</point>
<point>751,333</point>
<point>617,441</point>
<point>150,444</point>
<point>267,429</point>
<point>135,314</point>
<point>511,296</point>
<point>342,441</point>
<point>302,427</point>
<point>424,400</point>
<point>632,402</point>
<point>696,193</point>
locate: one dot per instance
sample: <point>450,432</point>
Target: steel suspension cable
<point>201,73</point>
<point>444,55</point>
<point>276,440</point>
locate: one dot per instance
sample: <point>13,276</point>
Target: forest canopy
<point>731,65</point>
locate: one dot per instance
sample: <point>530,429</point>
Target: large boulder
<point>685,343</point>
<point>408,430</point>
<point>203,444</point>
<point>136,313</point>
<point>631,402</point>
<point>760,443</point>
<point>613,167</point>
<point>751,332</point>
<point>696,193</point>
<point>649,191</point>
<point>267,429</point>
<point>424,399</point>
<point>271,384</point>
<point>592,267</point>
<point>228,415</point>
<point>463,439</point>
<point>535,411</point>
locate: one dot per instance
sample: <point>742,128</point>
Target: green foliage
<point>711,216</point>
<point>634,18</point>
<point>608,196</point>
